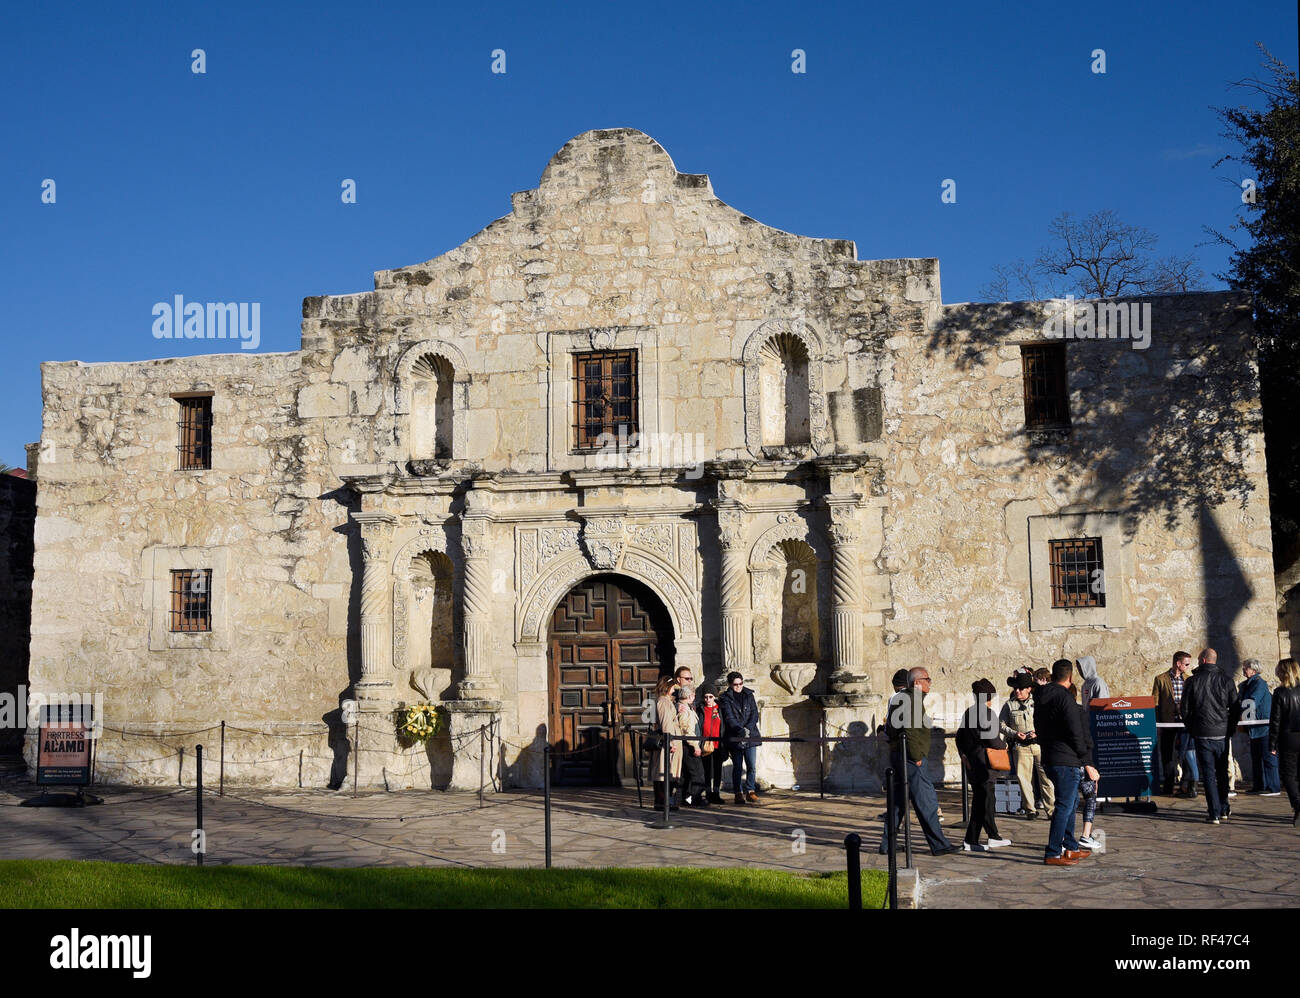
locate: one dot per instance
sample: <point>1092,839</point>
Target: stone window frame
<point>156,564</point>
<point>818,424</point>
<point>402,393</point>
<point>1116,552</point>
<point>560,348</point>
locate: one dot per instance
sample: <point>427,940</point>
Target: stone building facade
<point>626,428</point>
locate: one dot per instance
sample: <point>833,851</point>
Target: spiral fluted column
<point>375,684</point>
<point>845,530</point>
<point>734,592</point>
<point>478,684</point>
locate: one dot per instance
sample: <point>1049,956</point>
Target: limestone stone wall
<point>1167,438</point>
<point>614,248</point>
<point>115,514</point>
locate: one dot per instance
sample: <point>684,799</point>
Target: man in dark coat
<point>1211,710</point>
<point>739,724</point>
<point>1065,751</point>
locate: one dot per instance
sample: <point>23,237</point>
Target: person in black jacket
<point>1211,710</point>
<point>740,723</point>
<point>979,732</point>
<point>1284,730</point>
<point>1060,733</point>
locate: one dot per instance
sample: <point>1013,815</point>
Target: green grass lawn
<point>67,883</point>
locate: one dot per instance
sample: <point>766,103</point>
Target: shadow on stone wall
<point>17,549</point>
<point>1172,449</point>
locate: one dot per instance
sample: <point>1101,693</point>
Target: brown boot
<point>752,798</point>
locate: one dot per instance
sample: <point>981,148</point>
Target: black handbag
<point>652,743</point>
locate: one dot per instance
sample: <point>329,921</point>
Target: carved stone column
<point>848,672</point>
<point>479,683</point>
<point>734,591</point>
<point>375,687</point>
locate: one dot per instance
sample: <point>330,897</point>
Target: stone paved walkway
<point>1171,860</point>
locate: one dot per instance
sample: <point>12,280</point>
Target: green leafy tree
<point>1265,261</point>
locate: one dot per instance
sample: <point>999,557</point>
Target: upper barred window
<point>604,397</point>
<point>1047,403</point>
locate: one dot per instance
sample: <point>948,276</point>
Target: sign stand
<point>65,741</point>
<point>1124,733</point>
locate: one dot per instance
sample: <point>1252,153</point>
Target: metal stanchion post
<point>180,767</point>
<point>853,850</point>
<point>482,742</point>
<point>821,761</point>
<point>356,752</point>
<point>198,803</point>
<point>907,802</point>
<point>221,773</point>
<point>891,838</point>
<point>546,797</point>
<point>965,799</point>
<point>666,773</point>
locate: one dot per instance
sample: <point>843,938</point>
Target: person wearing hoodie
<point>1065,749</point>
<point>711,746</point>
<point>1256,705</point>
<point>1094,687</point>
<point>1017,727</point>
<point>1089,777</point>
<point>1211,711</point>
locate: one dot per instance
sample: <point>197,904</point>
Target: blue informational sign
<point>1124,736</point>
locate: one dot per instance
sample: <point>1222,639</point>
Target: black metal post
<point>356,752</point>
<point>546,797</point>
<point>821,762</point>
<point>482,753</point>
<point>180,767</point>
<point>221,774</point>
<point>891,837</point>
<point>853,850</point>
<point>300,752</point>
<point>638,749</point>
<point>666,774</point>
<point>907,803</point>
<point>198,803</point>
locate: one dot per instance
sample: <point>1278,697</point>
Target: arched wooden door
<point>610,641</point>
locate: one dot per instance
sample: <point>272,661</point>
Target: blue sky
<point>225,186</point>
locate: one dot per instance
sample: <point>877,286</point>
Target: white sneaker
<point>1232,793</point>
<point>1271,793</point>
<point>967,847</point>
<point>998,843</point>
<point>1088,842</point>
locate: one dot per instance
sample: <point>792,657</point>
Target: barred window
<point>604,396</point>
<point>1078,573</point>
<point>191,599</point>
<point>195,447</point>
<point>1047,403</point>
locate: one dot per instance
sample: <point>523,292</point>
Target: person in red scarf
<point>711,746</point>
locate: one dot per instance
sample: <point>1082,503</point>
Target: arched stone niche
<point>789,566</point>
<point>427,624</point>
<point>785,363</point>
<point>431,401</point>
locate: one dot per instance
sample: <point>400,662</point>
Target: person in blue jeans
<point>1065,753</point>
<point>906,723</point>
<point>1191,775</point>
<point>740,723</point>
<point>1256,705</point>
